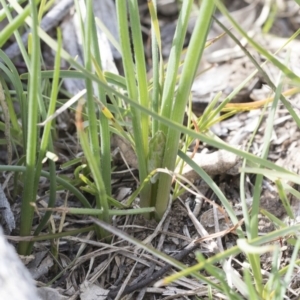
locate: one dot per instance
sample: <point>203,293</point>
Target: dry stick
<point>148,240</point>
<point>155,276</point>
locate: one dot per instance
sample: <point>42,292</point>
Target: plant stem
<point>34,94</point>
<point>190,66</point>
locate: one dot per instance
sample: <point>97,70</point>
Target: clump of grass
<point>155,111</point>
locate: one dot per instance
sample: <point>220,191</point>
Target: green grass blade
<point>18,21</point>
<point>284,199</point>
<point>17,35</point>
<point>102,203</point>
<point>91,145</point>
<point>157,62</point>
<point>190,66</point>
<point>33,97</point>
<point>46,141</point>
<point>174,62</point>
<point>105,151</point>
<point>141,73</point>
<point>140,135</point>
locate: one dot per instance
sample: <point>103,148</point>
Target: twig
<point>155,276</point>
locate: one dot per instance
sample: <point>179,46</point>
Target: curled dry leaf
<point>126,150</point>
